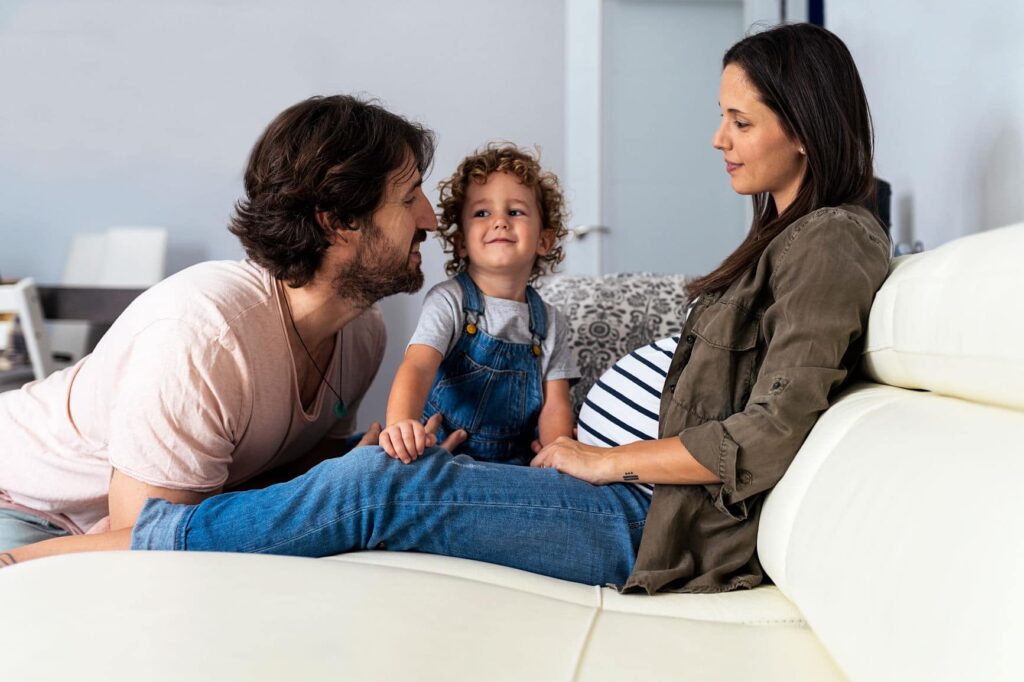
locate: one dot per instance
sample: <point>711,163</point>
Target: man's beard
<point>377,271</point>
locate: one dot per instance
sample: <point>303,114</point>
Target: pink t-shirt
<point>193,388</point>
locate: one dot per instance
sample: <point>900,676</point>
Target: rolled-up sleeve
<point>822,286</point>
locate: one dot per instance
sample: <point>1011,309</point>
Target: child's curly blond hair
<point>477,167</point>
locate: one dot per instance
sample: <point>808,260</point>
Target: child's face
<point>502,227</point>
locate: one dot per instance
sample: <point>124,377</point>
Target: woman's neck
<point>509,286</point>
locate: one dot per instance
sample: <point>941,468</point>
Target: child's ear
<point>460,245</point>
<point>546,242</point>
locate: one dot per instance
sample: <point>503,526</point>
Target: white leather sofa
<point>896,542</point>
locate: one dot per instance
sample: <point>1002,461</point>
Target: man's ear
<point>332,227</point>
<point>546,242</point>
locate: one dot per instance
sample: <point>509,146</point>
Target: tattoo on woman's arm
<point>630,476</point>
<point>7,559</point>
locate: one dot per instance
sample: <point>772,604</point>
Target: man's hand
<point>371,437</point>
<point>454,439</point>
<point>585,462</point>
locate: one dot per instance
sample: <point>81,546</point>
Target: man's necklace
<point>340,410</point>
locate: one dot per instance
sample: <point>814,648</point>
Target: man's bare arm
<point>125,500</point>
<point>127,495</point>
<point>113,540</point>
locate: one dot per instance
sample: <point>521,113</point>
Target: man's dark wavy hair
<point>330,154</point>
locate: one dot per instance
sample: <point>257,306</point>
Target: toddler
<point>488,354</point>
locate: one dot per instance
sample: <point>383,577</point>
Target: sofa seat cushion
<point>378,616</point>
<point>761,606</point>
<point>212,616</point>
<point>664,637</point>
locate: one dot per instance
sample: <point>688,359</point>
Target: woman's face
<point>759,156</point>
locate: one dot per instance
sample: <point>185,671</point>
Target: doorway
<point>647,190</point>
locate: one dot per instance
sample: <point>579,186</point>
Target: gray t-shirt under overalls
<point>490,382</point>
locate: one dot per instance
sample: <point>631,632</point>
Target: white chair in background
<point>117,257</point>
<point>128,256</point>
<point>22,299</point>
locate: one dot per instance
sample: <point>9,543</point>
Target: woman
<point>773,335</point>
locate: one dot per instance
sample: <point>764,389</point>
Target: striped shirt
<point>622,407</point>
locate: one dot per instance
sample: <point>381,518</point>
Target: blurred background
<point>143,113</point>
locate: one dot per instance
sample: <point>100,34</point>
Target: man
<point>228,370</point>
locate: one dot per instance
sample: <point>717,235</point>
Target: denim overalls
<point>489,387</point>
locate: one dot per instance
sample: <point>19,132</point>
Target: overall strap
<point>472,300</point>
<point>538,318</point>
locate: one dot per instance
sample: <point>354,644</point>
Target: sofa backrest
<point>951,321</point>
<point>898,531</point>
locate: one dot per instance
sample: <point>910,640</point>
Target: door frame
<point>584,119</point>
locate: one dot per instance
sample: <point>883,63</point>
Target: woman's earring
<point>803,152</point>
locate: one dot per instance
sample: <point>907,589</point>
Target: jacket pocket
<point>728,326</point>
<point>720,373</point>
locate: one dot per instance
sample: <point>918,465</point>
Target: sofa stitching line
<point>581,656</point>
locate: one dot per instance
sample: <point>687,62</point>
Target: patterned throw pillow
<point>622,406</point>
<point>611,315</point>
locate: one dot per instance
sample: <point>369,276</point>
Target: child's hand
<point>405,440</point>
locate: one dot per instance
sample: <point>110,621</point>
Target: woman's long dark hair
<point>806,75</point>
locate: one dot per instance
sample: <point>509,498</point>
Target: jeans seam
<point>179,540</point>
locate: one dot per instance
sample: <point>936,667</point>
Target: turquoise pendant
<point>340,411</point>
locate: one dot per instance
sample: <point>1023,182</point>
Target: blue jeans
<point>534,519</point>
<point>18,529</point>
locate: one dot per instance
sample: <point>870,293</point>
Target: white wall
<point>664,182</point>
<point>145,112</point>
<point>945,80</point>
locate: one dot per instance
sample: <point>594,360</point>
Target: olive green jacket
<point>755,367</point>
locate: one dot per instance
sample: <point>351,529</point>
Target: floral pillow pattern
<point>612,315</point>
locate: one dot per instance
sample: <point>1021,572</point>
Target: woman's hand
<point>585,462</point>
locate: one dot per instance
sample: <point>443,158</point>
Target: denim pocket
<point>482,400</point>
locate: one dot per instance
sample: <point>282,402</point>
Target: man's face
<point>387,259</point>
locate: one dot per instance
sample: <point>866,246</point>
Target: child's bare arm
<point>404,436</point>
<point>556,418</point>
